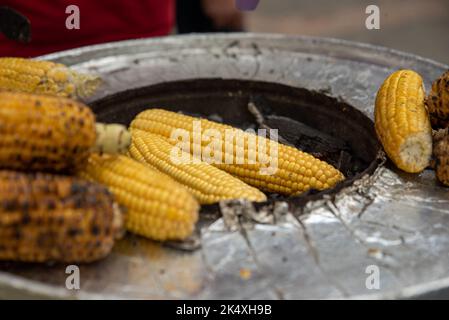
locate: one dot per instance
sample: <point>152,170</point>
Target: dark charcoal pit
<point>330,129</point>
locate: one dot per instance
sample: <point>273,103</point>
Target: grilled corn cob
<point>33,76</point>
<point>39,132</point>
<point>207,183</point>
<point>157,206</point>
<point>438,102</point>
<point>296,171</point>
<point>46,217</point>
<point>441,155</point>
<point>45,133</point>
<point>402,122</point>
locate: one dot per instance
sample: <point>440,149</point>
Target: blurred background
<point>415,26</point>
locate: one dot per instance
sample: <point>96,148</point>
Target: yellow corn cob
<point>438,102</point>
<point>207,183</point>
<point>45,133</point>
<point>46,217</point>
<point>157,206</point>
<point>441,155</point>
<point>296,171</point>
<point>402,122</point>
<point>46,77</point>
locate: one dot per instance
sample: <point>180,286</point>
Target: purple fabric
<point>247,5</point>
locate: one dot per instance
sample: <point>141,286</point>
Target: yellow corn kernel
<point>34,76</point>
<point>207,183</point>
<point>402,122</point>
<point>157,207</point>
<point>45,217</point>
<point>294,171</point>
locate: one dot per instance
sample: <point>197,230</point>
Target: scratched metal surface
<point>396,221</point>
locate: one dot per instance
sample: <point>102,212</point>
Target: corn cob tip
<point>118,221</point>
<point>86,84</point>
<point>416,152</point>
<point>111,138</point>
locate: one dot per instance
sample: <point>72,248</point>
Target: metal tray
<point>390,222</point>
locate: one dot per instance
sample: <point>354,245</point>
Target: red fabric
<point>100,21</point>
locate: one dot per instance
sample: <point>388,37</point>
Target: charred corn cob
<point>291,171</point>
<point>438,102</point>
<point>39,132</point>
<point>46,217</point>
<point>157,206</point>
<point>207,183</point>
<point>45,133</point>
<point>33,76</point>
<point>441,155</point>
<point>402,122</point>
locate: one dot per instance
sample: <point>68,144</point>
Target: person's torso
<point>100,21</point>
